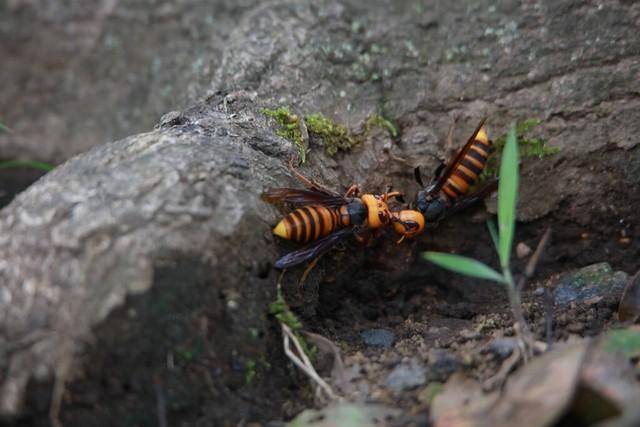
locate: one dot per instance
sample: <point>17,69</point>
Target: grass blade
<point>494,234</point>
<point>463,265</point>
<point>26,164</point>
<point>507,195</point>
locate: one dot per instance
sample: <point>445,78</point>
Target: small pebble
<point>522,250</point>
<point>406,376</point>
<point>442,364</point>
<point>502,347</point>
<point>378,337</point>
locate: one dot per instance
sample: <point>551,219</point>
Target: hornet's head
<point>378,213</point>
<point>408,223</point>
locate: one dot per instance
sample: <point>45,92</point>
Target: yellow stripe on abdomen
<point>308,223</point>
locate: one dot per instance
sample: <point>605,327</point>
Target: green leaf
<point>626,341</point>
<point>463,265</point>
<point>494,234</point>
<point>507,196</point>
<point>26,164</point>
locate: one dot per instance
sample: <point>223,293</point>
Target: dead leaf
<point>629,308</point>
<point>535,396</point>
<point>338,372</point>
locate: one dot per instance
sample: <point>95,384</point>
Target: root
<point>509,365</point>
<point>302,361</point>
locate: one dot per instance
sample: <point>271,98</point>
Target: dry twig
<point>302,361</point>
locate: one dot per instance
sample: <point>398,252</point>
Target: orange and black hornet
<point>448,192</point>
<point>322,218</point>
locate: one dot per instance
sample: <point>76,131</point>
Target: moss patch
<point>331,135</point>
<point>289,128</point>
<point>281,311</point>
<point>250,371</point>
<point>528,146</point>
<point>323,131</point>
<point>377,120</point>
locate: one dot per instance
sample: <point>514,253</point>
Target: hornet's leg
<point>387,196</point>
<point>450,149</point>
<point>307,270</point>
<point>309,183</point>
<point>362,235</point>
<point>352,191</point>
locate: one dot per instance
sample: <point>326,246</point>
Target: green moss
<point>430,392</point>
<point>184,355</point>
<point>250,371</point>
<point>253,333</point>
<point>4,128</point>
<point>377,120</point>
<point>281,311</point>
<point>324,131</point>
<point>289,128</point>
<point>253,368</point>
<point>527,146</point>
<point>331,135</point>
<point>265,363</point>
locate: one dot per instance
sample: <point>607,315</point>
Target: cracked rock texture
<point>153,251</point>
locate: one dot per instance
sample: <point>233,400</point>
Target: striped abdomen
<point>311,223</point>
<point>467,171</point>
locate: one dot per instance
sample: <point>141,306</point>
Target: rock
<point>501,347</point>
<point>441,365</point>
<point>126,255</point>
<point>406,376</point>
<point>587,284</point>
<point>522,250</point>
<point>89,55</point>
<point>378,337</point>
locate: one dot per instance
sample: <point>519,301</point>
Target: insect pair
<point>324,217</point>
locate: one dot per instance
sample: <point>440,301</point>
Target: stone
<point>378,337</point>
<point>406,376</point>
<point>582,286</point>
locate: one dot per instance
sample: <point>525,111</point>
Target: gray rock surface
<point>79,74</point>
<point>180,201</point>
